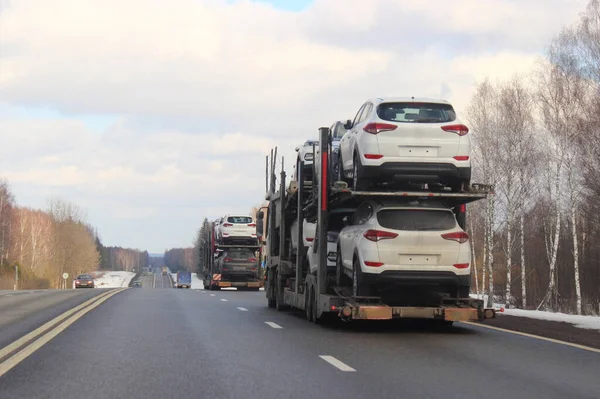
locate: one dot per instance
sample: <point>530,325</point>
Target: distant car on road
<point>137,284</point>
<point>84,280</point>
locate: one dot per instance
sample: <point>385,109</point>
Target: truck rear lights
<point>346,311</point>
<point>378,235</point>
<point>376,128</point>
<point>373,156</point>
<point>227,225</point>
<point>373,264</point>
<point>460,237</point>
<point>462,208</point>
<point>461,130</point>
<point>462,157</point>
<point>461,265</point>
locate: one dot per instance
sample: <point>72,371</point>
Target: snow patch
<point>112,279</point>
<point>586,322</point>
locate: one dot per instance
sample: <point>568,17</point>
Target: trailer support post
<point>323,193</point>
<point>300,249</point>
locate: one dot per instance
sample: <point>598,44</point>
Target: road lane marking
<point>224,300</point>
<point>336,363</point>
<point>271,324</point>
<point>40,330</point>
<point>243,309</point>
<point>212,294</point>
<point>555,341</point>
<point>24,353</point>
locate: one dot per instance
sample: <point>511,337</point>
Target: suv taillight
<point>377,235</point>
<point>227,225</point>
<point>461,130</point>
<point>227,259</point>
<point>460,237</point>
<point>375,128</point>
<point>252,225</point>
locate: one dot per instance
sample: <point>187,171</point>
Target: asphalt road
<point>181,343</point>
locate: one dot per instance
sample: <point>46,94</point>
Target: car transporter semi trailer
<point>214,279</point>
<point>290,284</point>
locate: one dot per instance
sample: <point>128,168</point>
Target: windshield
<point>239,219</point>
<point>239,254</point>
<point>410,112</point>
<point>84,277</point>
<point>416,219</point>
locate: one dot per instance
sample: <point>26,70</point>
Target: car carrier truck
<point>225,266</point>
<point>288,280</point>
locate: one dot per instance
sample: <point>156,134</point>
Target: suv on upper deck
<point>414,140</point>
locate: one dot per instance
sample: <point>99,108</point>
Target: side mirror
<point>260,215</point>
<point>297,148</point>
<point>259,227</point>
<point>345,221</point>
<point>348,124</point>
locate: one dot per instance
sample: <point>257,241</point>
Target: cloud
<point>192,96</point>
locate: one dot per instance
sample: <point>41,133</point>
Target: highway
<point>169,343</point>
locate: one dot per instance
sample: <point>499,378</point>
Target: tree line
<point>41,245</point>
<point>537,140</point>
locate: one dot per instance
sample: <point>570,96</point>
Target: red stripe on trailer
<point>324,181</point>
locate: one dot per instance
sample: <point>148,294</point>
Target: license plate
<point>408,259</point>
<point>414,151</point>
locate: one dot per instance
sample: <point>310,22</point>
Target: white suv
<point>417,245</point>
<point>305,152</point>
<point>236,229</point>
<point>414,140</point>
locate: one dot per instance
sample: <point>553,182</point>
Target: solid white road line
<point>336,363</point>
<point>271,324</point>
<point>243,309</point>
<point>40,330</point>
<point>224,300</point>
<point>24,353</point>
<point>555,341</point>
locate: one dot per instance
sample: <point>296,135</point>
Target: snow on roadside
<point>586,322</point>
<point>112,279</point>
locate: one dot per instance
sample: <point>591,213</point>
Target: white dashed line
<point>243,309</point>
<point>212,295</point>
<point>271,324</point>
<point>224,300</point>
<point>336,363</point>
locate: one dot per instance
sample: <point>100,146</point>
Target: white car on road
<point>418,246</point>
<point>415,140</point>
<point>236,229</point>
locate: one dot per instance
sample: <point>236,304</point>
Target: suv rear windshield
<point>239,219</point>
<point>84,277</point>
<point>416,219</point>
<point>416,112</point>
<point>239,254</point>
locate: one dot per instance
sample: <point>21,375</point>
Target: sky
<point>152,116</point>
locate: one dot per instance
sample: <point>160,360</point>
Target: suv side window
<point>366,112</point>
<point>358,116</point>
<point>363,214</point>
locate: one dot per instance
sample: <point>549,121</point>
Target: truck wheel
<point>308,303</point>
<point>358,181</point>
<point>279,304</point>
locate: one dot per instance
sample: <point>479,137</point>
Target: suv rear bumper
<point>239,240</point>
<point>417,170</point>
<point>418,278</point>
